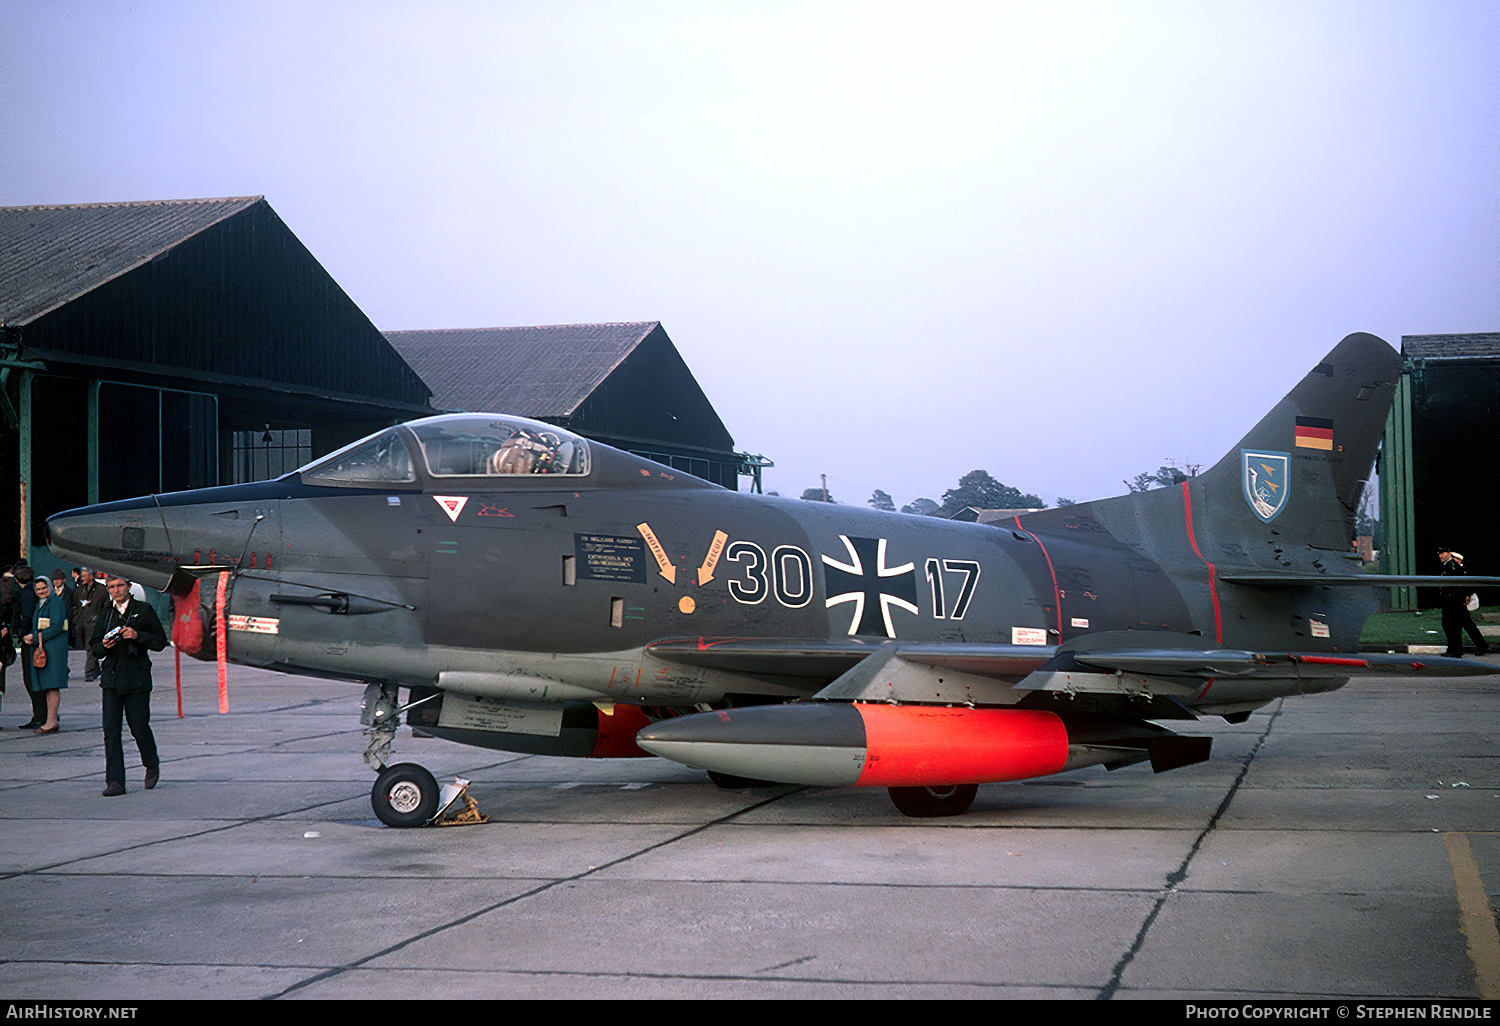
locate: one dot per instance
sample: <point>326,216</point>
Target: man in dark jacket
<point>127,631</point>
<point>1456,618</point>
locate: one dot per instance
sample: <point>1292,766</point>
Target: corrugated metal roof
<point>52,254</point>
<point>544,371</point>
<point>1484,345</point>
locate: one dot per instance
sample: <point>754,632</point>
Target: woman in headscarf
<point>49,634</point>
<point>22,616</point>
<point>7,607</point>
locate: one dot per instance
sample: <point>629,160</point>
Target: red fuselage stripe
<point>1056,594</point>
<point>1213,584</point>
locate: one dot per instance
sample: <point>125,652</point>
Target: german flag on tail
<point>1314,433</point>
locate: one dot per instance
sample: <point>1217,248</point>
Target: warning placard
<point>473,712</point>
<point>603,557</point>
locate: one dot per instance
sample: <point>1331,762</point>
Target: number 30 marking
<point>791,574</point>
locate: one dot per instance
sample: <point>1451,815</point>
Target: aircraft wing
<point>790,657</point>
<point>1158,674</point>
<point>1123,651</point>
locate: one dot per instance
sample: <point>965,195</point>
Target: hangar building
<point>151,347</point>
<point>621,384</point>
<point>156,346</point>
<point>1436,487</point>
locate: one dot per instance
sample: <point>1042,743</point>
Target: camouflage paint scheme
<point>551,601</point>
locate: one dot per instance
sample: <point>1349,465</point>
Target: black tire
<point>733,783</point>
<point>405,795</point>
<point>938,800</point>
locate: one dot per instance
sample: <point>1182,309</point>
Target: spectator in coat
<point>22,615</point>
<point>7,607</point>
<point>49,635</point>
<point>126,634</point>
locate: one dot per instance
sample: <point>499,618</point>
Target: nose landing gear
<point>405,795</point>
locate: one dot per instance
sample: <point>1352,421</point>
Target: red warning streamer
<point>221,642</point>
<point>187,633</point>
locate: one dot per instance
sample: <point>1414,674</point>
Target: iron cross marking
<point>870,585</point>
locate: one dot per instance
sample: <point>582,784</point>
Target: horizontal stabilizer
<point>1223,663</point>
<point>1272,580</point>
<point>1094,661</point>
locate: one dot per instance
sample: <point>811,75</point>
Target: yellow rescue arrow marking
<point>715,550</point>
<point>667,569</point>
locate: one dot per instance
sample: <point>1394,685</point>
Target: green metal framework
<point>1397,494</point>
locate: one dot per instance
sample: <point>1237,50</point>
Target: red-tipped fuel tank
<point>837,744</point>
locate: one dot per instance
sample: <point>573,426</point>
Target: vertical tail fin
<point>1282,501</point>
<point>1298,475</point>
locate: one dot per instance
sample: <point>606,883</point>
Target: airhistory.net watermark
<point>43,1010</point>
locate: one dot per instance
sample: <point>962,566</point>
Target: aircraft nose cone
<point>126,538</point>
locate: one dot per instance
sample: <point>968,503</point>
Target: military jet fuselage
<point>537,592</point>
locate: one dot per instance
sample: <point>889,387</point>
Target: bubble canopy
<point>455,445</point>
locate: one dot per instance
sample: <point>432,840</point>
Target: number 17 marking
<point>934,569</point>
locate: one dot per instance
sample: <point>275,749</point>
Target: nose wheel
<point>405,795</point>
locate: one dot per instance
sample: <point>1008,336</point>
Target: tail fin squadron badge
<point>1265,477</point>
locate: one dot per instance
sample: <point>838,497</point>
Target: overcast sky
<point>1062,242</point>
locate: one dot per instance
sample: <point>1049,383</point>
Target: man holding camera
<point>127,631</point>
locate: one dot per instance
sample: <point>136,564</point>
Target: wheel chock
<point>456,807</point>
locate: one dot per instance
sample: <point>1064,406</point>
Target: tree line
<point>979,489</point>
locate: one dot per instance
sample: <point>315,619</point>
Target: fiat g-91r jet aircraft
<point>536,592</point>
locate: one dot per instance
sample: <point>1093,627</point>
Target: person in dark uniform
<point>89,600</point>
<point>63,589</point>
<point>127,631</point>
<point>1454,603</point>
